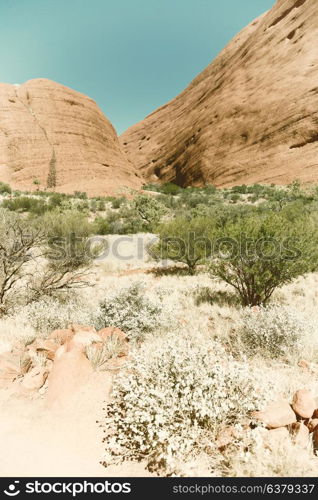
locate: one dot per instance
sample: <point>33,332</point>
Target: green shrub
<point>101,226</point>
<point>19,242</point>
<point>142,214</point>
<point>55,200</point>
<point>80,194</point>
<point>68,238</point>
<point>259,253</point>
<point>117,202</point>
<point>5,188</point>
<point>152,187</point>
<point>183,240</point>
<point>170,188</point>
<point>26,204</point>
<point>93,205</point>
<point>101,205</point>
<point>239,189</point>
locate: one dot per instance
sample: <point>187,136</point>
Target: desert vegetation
<point>201,303</point>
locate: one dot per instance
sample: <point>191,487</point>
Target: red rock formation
<point>55,135</point>
<point>250,116</point>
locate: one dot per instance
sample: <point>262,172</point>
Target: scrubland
<point>203,355</point>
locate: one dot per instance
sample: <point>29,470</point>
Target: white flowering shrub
<point>13,330</point>
<point>131,311</point>
<point>49,314</point>
<point>174,397</point>
<point>274,331</point>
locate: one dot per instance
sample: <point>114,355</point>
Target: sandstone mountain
<point>250,116</point>
<point>59,137</point>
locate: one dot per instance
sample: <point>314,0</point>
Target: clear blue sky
<point>130,56</point>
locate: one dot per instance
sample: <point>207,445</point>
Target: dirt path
<point>38,442</point>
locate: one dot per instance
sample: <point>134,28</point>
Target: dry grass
<point>209,318</point>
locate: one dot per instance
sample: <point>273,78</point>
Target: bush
<point>152,187</point>
<point>131,311</point>
<point>68,238</point>
<point>274,331</point>
<point>19,242</point>
<point>182,240</point>
<point>80,194</point>
<point>56,200</point>
<point>26,204</point>
<point>239,189</point>
<point>102,226</point>
<point>101,206</point>
<point>5,188</point>
<point>117,202</point>
<point>172,400</point>
<point>48,314</point>
<point>148,211</point>
<point>171,189</point>
<point>259,253</point>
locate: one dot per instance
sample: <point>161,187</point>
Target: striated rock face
<point>250,116</point>
<point>59,137</point>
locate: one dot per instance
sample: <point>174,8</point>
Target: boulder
<point>300,434</point>
<point>71,370</point>
<point>81,328</point>
<point>276,438</point>
<point>277,414</point>
<point>61,336</point>
<point>303,363</point>
<point>304,403</point>
<point>315,439</point>
<point>315,414</point>
<point>47,347</point>
<point>113,333</point>
<point>35,378</point>
<point>85,338</point>
<point>312,424</point>
<point>10,368</point>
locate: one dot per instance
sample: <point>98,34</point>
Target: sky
<point>130,56</point>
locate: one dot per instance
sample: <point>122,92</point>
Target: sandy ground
<point>38,442</point>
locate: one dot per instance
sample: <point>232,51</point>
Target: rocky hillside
<point>250,116</point>
<point>60,138</point>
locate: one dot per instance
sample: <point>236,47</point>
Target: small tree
<point>143,214</point>
<point>19,242</point>
<point>5,188</point>
<point>149,210</point>
<point>260,253</point>
<point>68,254</point>
<point>68,235</point>
<point>183,240</point>
<point>51,178</point>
